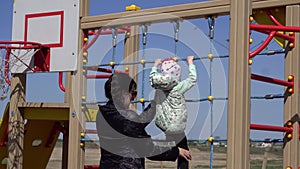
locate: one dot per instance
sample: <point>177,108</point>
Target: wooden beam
<point>16,122</point>
<point>291,154</point>
<point>171,13</point>
<point>44,111</point>
<point>238,129</point>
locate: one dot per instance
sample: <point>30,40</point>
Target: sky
<point>193,40</point>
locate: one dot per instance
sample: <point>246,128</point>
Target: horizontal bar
<point>171,13</point>
<point>268,96</point>
<point>91,166</point>
<point>98,76</point>
<point>275,28</point>
<point>106,70</point>
<point>271,80</point>
<point>89,131</point>
<point>106,32</point>
<point>271,128</point>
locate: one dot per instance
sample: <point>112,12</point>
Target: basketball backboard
<point>53,23</point>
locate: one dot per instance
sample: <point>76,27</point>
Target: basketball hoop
<point>21,57</point>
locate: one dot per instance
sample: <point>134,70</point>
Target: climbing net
<point>210,98</point>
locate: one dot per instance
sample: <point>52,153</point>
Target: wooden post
<point>131,48</point>
<point>265,160</point>
<point>239,86</point>
<point>131,53</point>
<point>77,94</point>
<point>291,154</point>
<point>65,144</point>
<point>16,122</point>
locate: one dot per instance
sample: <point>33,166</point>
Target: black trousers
<point>181,141</point>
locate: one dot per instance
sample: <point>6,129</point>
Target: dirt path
<point>200,160</point>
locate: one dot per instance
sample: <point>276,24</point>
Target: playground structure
<point>68,117</point>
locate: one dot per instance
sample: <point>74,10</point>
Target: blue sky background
<point>160,44</point>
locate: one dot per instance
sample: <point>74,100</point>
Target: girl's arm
<point>191,80</point>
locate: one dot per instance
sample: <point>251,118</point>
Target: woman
<point>123,140</point>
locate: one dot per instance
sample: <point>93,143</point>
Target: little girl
<point>171,111</point>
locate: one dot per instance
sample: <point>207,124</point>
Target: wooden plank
<point>124,19</point>
<point>238,121</point>
<point>46,113</point>
<point>42,105</point>
<point>165,14</point>
<point>291,154</point>
<point>168,9</point>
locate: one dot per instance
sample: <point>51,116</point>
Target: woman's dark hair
<point>118,83</point>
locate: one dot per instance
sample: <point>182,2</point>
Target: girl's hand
<point>157,62</point>
<point>190,59</point>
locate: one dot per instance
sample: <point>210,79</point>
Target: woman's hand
<point>185,153</point>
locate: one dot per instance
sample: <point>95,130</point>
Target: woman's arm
<point>169,154</point>
<point>148,114</point>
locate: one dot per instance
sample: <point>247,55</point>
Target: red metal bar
<point>92,167</point>
<point>260,48</point>
<point>273,19</point>
<point>88,45</point>
<point>91,131</point>
<point>100,31</point>
<point>271,128</point>
<point>106,70</point>
<point>275,28</point>
<point>60,78</point>
<point>104,76</point>
<point>6,67</point>
<point>278,34</point>
<point>272,31</point>
<point>26,45</point>
<point>98,76</point>
<point>105,32</point>
<point>271,80</point>
<point>127,28</point>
